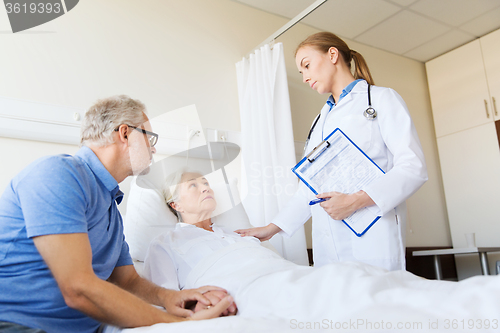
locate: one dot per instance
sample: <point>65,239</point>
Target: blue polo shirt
<point>56,195</point>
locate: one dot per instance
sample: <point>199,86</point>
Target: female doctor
<point>377,120</point>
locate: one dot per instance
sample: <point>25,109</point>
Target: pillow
<point>148,216</point>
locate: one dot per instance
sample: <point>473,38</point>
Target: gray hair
<point>170,189</point>
<point>107,114</point>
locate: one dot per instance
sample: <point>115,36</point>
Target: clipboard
<point>338,164</point>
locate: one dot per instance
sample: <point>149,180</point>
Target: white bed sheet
<point>274,295</point>
<point>219,325</point>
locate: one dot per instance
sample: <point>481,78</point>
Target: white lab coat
<point>391,141</point>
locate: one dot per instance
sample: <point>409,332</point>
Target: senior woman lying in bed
<point>263,284</point>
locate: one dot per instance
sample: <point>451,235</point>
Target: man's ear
<point>123,132</point>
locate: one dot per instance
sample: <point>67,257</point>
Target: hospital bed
<point>356,297</point>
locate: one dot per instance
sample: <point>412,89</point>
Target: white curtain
<point>267,144</point>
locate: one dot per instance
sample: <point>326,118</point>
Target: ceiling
<point>417,29</point>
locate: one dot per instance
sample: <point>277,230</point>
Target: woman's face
<point>195,195</point>
<point>317,68</point>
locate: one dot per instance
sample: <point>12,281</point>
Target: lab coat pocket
<point>359,130</point>
<point>380,242</point>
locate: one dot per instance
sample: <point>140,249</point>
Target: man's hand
<point>215,296</point>
<point>262,233</point>
<point>177,302</point>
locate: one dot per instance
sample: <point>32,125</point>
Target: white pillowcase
<point>148,216</point>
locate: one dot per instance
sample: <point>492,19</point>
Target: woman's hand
<point>262,233</point>
<point>340,205</point>
<point>179,302</point>
<point>215,296</point>
<point>213,311</point>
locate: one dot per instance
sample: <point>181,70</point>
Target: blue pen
<point>315,201</point>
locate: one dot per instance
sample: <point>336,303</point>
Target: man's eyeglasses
<point>152,137</point>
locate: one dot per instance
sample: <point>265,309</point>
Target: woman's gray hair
<point>170,189</point>
<point>106,115</point>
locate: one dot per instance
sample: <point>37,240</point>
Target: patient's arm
<point>69,258</point>
<point>262,233</point>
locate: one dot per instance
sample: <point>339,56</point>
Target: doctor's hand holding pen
<point>340,205</point>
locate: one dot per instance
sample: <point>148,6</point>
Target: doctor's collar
<point>345,92</point>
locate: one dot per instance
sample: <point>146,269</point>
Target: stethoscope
<point>369,114</point>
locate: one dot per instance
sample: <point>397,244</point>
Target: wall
<point>168,54</point>
<point>175,53</point>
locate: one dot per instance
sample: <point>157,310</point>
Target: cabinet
<point>459,90</point>
<point>464,86</point>
<point>470,164</point>
<point>490,45</point>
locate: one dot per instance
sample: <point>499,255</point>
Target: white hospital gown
<point>173,255</point>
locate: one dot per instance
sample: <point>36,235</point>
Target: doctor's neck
<point>342,79</point>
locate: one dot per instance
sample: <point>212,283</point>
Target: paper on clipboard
<point>337,164</point>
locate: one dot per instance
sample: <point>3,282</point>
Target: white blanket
<point>274,295</point>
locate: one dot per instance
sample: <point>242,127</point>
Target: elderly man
<point>64,263</point>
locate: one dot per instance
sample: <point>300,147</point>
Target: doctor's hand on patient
<point>262,233</point>
<point>340,205</point>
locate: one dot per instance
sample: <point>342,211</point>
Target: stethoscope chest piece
<point>370,113</point>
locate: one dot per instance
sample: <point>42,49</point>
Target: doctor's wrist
<point>362,200</point>
<point>273,228</point>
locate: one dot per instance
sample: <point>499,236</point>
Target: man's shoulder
<point>54,171</point>
<point>56,164</point>
<point>62,160</point>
